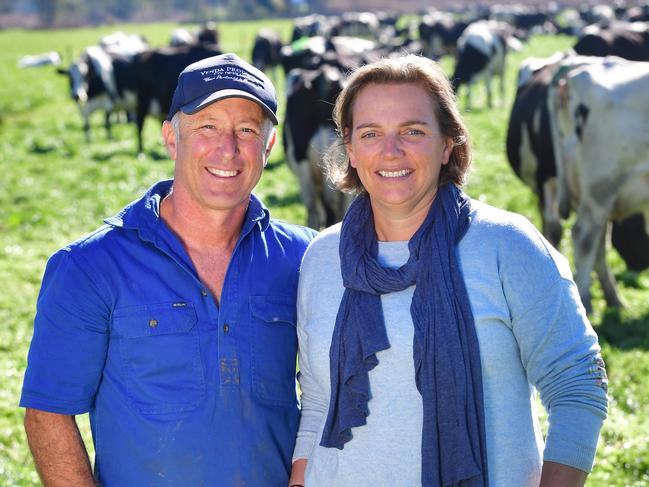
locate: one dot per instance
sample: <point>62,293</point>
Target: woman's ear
<point>447,151</point>
<point>348,148</point>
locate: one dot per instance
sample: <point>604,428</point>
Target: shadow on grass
<point>271,166</point>
<point>622,332</point>
<point>629,279</point>
<point>107,155</point>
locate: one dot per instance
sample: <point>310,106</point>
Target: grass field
<point>55,187</point>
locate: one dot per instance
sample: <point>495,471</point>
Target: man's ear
<point>270,145</point>
<point>169,138</point>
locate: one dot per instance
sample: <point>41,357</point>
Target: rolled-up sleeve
<point>68,349</point>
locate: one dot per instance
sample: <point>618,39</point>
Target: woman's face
<point>396,146</point>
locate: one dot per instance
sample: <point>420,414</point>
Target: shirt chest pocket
<point>159,347</point>
<point>274,349</point>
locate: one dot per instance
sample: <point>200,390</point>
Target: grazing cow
<point>308,132</point>
<point>206,35</point>
<point>481,52</point>
<point>101,81</point>
<point>531,155</point>
<point>439,34</point>
<point>628,41</point>
<point>181,37</point>
<point>310,26</point>
<point>343,52</point>
<point>638,13</point>
<point>266,50</point>
<point>359,24</point>
<point>123,44</point>
<point>529,140</point>
<point>599,128</point>
<point>157,74</point>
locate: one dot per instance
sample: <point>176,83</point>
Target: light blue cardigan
<point>533,334</point>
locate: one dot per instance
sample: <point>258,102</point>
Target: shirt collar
<point>143,214</point>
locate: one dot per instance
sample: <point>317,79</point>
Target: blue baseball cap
<point>218,77</point>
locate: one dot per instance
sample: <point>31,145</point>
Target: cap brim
<point>203,101</point>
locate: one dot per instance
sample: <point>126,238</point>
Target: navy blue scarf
<point>446,353</point>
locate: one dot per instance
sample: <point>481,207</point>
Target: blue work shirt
<point>181,391</point>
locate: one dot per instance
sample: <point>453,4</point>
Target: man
<point>174,323</point>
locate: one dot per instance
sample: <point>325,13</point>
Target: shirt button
<point>226,328</point>
<point>203,292</point>
<point>153,323</point>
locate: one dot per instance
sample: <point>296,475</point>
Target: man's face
<point>220,153</point>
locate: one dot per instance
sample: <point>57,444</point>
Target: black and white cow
<point>626,40</point>
<point>103,77</point>
<point>101,81</point>
<point>439,33</point>
<point>531,155</point>
<point>310,26</point>
<point>599,122</point>
<point>266,50</point>
<point>481,53</point>
<point>529,140</point>
<point>359,24</point>
<point>308,133</point>
<point>205,35</point>
<point>157,74</point>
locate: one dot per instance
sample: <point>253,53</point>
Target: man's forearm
<point>558,475</point>
<point>58,450</point>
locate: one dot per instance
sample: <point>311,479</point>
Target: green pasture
<point>54,187</point>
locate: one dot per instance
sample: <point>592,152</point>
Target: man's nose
<point>227,144</point>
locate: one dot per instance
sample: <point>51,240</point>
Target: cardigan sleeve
<point>558,349</point>
<point>313,399</point>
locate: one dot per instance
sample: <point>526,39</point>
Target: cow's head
<point>77,74</point>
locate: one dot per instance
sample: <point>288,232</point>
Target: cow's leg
<point>487,82</point>
<point>502,87</point>
<point>467,96</point>
<point>107,125</point>
<point>606,279</point>
<point>316,217</point>
<point>85,116</point>
<point>587,237</point>
<point>552,229</point>
<point>141,111</point>
<point>86,129</point>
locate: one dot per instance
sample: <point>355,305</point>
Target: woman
<point>427,320</point>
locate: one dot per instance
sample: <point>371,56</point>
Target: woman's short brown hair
<point>403,69</point>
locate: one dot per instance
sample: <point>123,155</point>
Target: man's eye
<point>208,126</point>
<point>248,131</point>
<point>368,135</point>
<point>415,132</point>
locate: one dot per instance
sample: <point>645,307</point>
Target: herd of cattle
<point>578,133</point>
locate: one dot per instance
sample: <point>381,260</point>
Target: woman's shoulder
<point>323,247</point>
<point>513,238</point>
